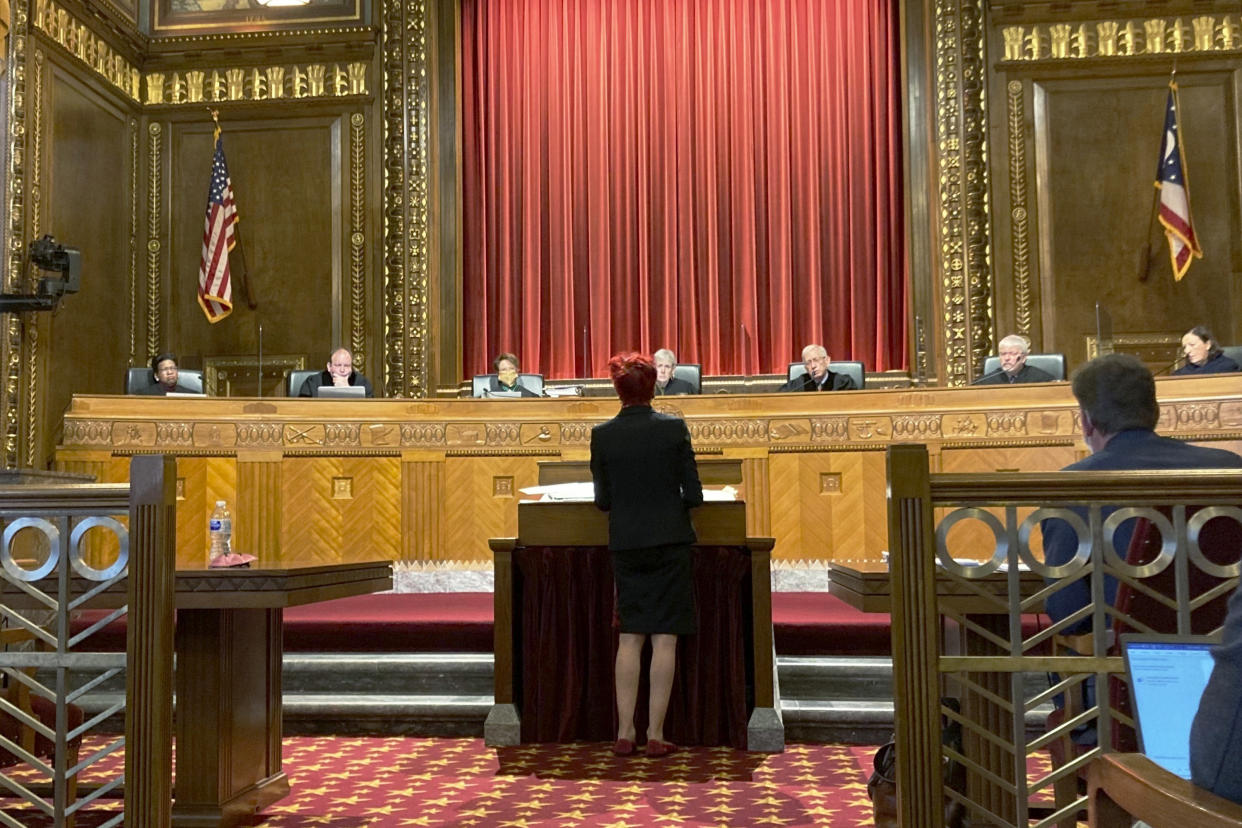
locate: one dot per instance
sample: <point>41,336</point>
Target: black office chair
<point>296,379</point>
<point>692,374</point>
<point>1051,363</point>
<point>532,382</point>
<point>856,371</point>
<point>1234,352</point>
<point>138,380</point>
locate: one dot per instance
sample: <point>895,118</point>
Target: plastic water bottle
<point>220,528</point>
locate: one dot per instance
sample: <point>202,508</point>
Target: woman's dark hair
<point>502,357</point>
<point>1204,334</point>
<point>156,360</point>
<point>634,376</point>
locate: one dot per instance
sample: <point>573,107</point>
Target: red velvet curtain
<point>720,177</point>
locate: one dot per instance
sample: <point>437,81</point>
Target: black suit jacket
<point>645,478</point>
<point>316,381</point>
<point>1216,735</point>
<point>834,382</point>
<point>159,389</point>
<point>1029,373</point>
<point>1133,449</point>
<point>674,386</point>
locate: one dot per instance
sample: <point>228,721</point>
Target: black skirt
<point>655,590</point>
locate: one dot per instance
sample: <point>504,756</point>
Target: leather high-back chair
<point>532,382</point>
<point>856,371</point>
<point>139,379</point>
<point>1234,352</point>
<point>1051,363</point>
<point>296,379</point>
<point>692,374</point>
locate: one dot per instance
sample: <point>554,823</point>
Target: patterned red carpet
<point>353,782</point>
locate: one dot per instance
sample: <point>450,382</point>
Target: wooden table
<point>228,649</point>
<point>228,680</point>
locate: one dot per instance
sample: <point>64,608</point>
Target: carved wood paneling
<point>758,497</point>
<point>257,509</point>
<point>484,502</point>
<point>422,508</point>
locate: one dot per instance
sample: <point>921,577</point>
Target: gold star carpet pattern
<point>344,782</point>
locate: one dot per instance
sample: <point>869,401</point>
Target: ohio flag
<point>1175,194</point>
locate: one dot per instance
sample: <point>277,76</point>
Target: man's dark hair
<point>1117,392</point>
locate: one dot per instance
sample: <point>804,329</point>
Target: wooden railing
<point>66,577</point>
<point>1000,717</point>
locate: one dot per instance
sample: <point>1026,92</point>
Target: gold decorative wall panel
<point>1140,37</point>
<point>406,161</point>
<point>963,181</point>
<point>358,238</point>
<point>1019,215</point>
<point>134,231</point>
<point>155,235</point>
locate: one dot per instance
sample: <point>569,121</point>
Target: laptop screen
<point>340,392</point>
<point>1167,676</point>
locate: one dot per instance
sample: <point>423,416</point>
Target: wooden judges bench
<point>316,481</point>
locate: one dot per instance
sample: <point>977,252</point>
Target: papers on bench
<point>585,492</point>
<point>562,390</point>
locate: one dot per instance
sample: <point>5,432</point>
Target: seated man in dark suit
<point>817,376</point>
<point>1013,351</point>
<point>340,372</point>
<point>164,369</point>
<point>1216,735</point>
<point>1117,405</point>
<point>666,384</point>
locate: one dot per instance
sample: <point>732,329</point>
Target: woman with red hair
<point>645,477</point>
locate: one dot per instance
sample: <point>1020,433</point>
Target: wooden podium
<point>574,534</point>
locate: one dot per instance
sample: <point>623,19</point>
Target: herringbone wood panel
<point>312,530</point>
<point>825,522</point>
<point>473,512</point>
<point>371,520</point>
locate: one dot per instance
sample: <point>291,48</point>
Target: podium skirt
<point>655,590</point>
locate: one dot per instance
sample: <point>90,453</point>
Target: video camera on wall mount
<point>46,254</point>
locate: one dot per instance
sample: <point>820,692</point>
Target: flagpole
<point>244,274</point>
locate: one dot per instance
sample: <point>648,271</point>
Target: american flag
<point>1175,194</point>
<point>215,291</point>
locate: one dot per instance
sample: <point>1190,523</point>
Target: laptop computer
<point>356,392</point>
<point>1167,675</point>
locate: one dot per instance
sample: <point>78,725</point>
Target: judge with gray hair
<point>1013,351</point>
<point>668,385</point>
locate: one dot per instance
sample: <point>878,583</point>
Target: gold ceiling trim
<point>1135,37</point>
<point>256,83</point>
<point>963,184</point>
<point>80,41</point>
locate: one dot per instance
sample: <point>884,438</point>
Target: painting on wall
<point>204,16</point>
